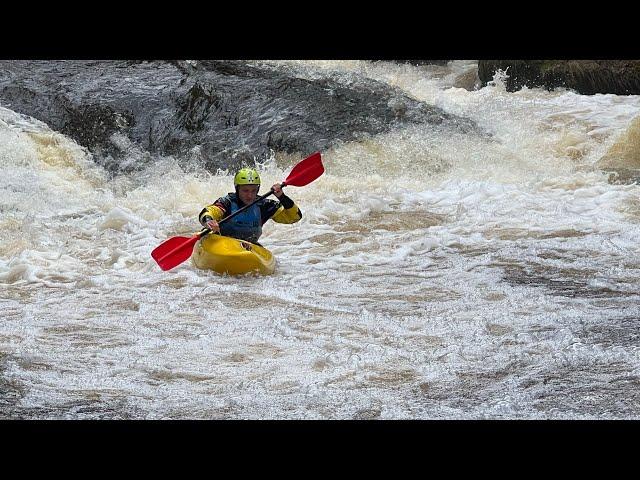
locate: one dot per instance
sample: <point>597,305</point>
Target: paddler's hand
<point>213,226</point>
<point>277,190</point>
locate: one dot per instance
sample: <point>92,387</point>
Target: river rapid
<point>435,274</point>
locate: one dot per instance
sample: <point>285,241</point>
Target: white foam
<point>434,274</point>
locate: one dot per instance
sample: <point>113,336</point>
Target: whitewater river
<point>435,274</point>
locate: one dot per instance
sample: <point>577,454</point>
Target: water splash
<point>433,274</point>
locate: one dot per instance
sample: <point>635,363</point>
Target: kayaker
<point>248,224</point>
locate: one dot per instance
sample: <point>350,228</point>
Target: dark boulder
<point>221,113</point>
<point>619,77</point>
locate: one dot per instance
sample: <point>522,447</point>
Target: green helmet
<point>246,176</point>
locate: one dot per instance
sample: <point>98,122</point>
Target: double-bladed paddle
<point>174,251</point>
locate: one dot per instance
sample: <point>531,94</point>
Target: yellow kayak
<point>232,256</point>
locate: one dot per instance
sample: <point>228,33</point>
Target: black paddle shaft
<point>206,231</point>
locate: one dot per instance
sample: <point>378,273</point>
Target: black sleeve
<point>285,201</point>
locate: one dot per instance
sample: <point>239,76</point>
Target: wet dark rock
<point>221,113</point>
<point>619,77</point>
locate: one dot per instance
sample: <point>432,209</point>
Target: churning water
<point>435,274</point>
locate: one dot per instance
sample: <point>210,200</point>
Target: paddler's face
<point>248,193</point>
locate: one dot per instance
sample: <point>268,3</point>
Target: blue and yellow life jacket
<point>248,224</point>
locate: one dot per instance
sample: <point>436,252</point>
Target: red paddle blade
<point>306,171</point>
<point>174,251</point>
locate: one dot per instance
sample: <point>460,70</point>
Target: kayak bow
<point>232,256</point>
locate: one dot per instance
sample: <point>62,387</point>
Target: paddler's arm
<point>288,212</point>
<point>210,215</point>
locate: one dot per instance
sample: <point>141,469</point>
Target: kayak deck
<point>232,256</point>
